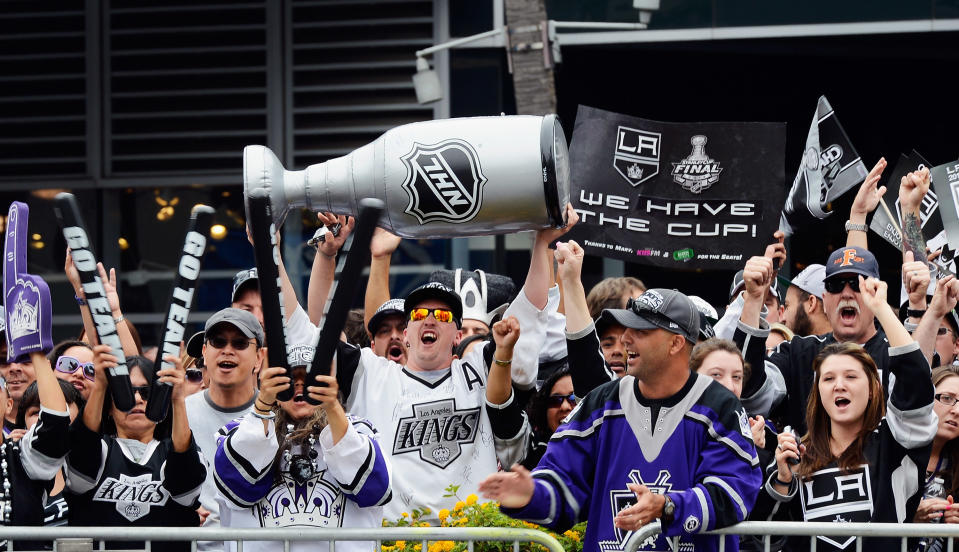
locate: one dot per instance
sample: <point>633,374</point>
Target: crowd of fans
<point>812,399</point>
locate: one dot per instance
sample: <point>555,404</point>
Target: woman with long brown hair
<point>293,464</point>
<point>862,458</point>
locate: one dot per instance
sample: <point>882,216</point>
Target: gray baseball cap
<point>241,279</point>
<point>666,309</point>
<point>811,279</point>
<point>239,319</point>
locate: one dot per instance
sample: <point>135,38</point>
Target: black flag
<point>830,166</point>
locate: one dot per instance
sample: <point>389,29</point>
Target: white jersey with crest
<point>434,424</point>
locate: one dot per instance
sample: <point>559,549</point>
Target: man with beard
<point>803,311</point>
<point>781,391</point>
<point>386,329</point>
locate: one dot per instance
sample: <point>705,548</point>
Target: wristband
<point>503,362</point>
<point>915,313</point>
<point>783,483</point>
<point>119,319</point>
<point>80,300</point>
<point>261,401</point>
<point>269,416</point>
<point>851,226</point>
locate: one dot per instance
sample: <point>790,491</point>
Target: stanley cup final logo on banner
<point>830,167</point>
<point>444,182</point>
<point>690,195</point>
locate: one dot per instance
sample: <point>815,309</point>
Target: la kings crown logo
<point>620,499</point>
<point>437,430</point>
<point>444,182</point>
<point>636,157</point>
<point>134,496</point>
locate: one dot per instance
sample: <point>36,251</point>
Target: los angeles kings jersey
<point>888,486</point>
<point>698,450</point>
<point>436,430</point>
<point>110,484</point>
<point>345,485</point>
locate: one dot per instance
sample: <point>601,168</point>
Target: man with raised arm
<point>431,411</point>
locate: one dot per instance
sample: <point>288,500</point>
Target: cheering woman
<point>863,459</point>
<point>292,464</point>
<point>124,469</point>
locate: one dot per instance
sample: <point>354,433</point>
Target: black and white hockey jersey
<point>109,482</point>
<point>885,489</point>
<point>32,463</point>
<point>434,425</point>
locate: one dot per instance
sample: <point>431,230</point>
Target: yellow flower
<point>444,513</point>
<point>417,547</point>
<point>572,535</point>
<point>406,515</point>
<point>471,499</point>
<point>459,506</point>
<point>400,544</point>
<point>441,546</point>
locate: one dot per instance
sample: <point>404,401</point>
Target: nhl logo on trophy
<point>637,154</point>
<point>697,172</point>
<point>444,182</point>
<point>472,176</point>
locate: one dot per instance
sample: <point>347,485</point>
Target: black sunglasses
<point>836,285</point>
<point>238,343</point>
<point>143,390</point>
<point>194,375</point>
<point>555,401</point>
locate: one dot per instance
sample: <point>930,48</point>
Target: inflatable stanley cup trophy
<point>438,179</point>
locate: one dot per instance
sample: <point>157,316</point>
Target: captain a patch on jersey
<point>436,430</point>
<point>833,496</point>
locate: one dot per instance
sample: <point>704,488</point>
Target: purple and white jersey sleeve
<point>358,463</point>
<point>242,467</point>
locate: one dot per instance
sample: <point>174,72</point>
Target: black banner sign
<point>690,195</point>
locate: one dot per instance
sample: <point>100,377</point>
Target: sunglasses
<point>441,315</point>
<point>238,343</point>
<point>194,375</point>
<point>143,390</point>
<point>943,331</point>
<point>836,285</point>
<point>555,401</point>
<point>69,365</point>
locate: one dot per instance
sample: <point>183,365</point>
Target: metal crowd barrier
<point>769,529</point>
<point>425,535</point>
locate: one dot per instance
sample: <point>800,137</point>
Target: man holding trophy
<point>431,412</point>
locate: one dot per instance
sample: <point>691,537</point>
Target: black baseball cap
<point>438,291</point>
<point>391,307</point>
<point>665,309</point>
